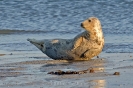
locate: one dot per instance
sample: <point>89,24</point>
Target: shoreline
<point>30,70</point>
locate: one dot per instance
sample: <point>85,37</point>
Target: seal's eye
<point>89,20</point>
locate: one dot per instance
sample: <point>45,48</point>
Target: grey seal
<point>84,46</point>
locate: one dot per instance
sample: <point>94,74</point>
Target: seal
<point>82,47</point>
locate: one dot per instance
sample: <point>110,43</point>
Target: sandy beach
<point>32,67</point>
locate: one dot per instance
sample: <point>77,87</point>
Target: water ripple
<point>65,15</point>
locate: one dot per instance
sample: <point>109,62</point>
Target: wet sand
<point>24,69</point>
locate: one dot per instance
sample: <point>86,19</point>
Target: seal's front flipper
<point>89,53</point>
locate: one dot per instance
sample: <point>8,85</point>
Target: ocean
<point>48,19</point>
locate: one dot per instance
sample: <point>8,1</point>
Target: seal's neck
<point>96,33</point>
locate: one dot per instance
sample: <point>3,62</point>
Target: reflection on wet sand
<point>98,83</point>
<point>99,69</point>
<point>101,83</point>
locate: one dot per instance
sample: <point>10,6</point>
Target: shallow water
<point>65,16</point>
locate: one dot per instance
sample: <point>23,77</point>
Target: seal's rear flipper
<point>32,40</point>
<point>38,43</point>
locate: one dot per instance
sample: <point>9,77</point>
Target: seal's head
<point>93,26</point>
<point>91,23</point>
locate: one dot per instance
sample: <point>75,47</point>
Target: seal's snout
<point>82,25</point>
